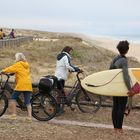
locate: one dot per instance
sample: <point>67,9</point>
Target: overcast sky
<point>83,16</point>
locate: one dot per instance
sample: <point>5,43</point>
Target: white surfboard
<point>110,82</point>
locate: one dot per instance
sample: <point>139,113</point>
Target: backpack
<point>47,83</point>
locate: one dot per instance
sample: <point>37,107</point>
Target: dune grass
<point>42,59</point>
<point>42,56</point>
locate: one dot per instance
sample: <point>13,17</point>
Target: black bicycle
<point>87,102</point>
<point>44,106</point>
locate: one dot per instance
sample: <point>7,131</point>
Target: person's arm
<point>69,66</point>
<point>10,69</point>
<point>13,35</point>
<point>125,73</point>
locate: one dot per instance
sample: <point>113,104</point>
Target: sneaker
<point>13,117</point>
<point>29,119</point>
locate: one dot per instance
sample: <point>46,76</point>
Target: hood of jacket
<point>61,55</point>
<point>24,64</point>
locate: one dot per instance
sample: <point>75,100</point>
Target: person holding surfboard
<point>119,102</point>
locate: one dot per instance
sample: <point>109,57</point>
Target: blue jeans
<point>26,96</point>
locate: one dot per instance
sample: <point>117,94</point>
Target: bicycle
<point>87,102</point>
<point>43,106</point>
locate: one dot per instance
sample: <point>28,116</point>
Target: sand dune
<point>111,44</point>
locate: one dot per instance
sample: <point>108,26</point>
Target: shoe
<point>29,119</point>
<point>13,117</point>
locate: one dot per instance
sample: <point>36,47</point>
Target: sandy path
<point>77,123</point>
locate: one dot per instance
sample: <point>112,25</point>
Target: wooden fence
<point>104,99</point>
<point>15,41</point>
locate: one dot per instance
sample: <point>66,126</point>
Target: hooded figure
<point>22,73</point>
<point>22,83</point>
<point>63,64</point>
<point>63,67</point>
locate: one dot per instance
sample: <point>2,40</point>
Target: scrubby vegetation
<point>42,58</point>
<point>42,54</point>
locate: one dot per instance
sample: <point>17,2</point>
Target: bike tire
<point>3,104</point>
<point>88,102</point>
<point>59,97</point>
<point>44,107</point>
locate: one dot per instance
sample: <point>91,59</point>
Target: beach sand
<point>110,44</point>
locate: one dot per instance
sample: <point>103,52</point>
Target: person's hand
<point>11,74</point>
<point>76,69</point>
<point>130,93</point>
<point>2,72</point>
<point>81,70</point>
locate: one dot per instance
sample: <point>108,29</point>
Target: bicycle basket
<point>47,83</point>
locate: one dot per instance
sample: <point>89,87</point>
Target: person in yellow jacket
<point>22,83</point>
<point>1,34</point>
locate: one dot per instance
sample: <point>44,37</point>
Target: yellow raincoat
<point>22,75</point>
<point>1,35</point>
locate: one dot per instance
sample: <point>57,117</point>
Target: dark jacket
<point>120,62</point>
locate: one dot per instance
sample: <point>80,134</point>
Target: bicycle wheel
<point>59,97</point>
<point>88,102</point>
<point>3,104</point>
<point>43,107</point>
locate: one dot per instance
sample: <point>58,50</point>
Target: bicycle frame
<point>75,88</point>
<point>7,87</point>
<point>5,83</point>
<point>67,98</point>
<point>40,103</point>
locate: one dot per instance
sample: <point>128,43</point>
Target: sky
<point>99,17</point>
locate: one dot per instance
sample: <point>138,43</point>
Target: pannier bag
<point>47,83</point>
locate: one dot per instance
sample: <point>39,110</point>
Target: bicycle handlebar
<point>7,74</point>
<point>77,75</point>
